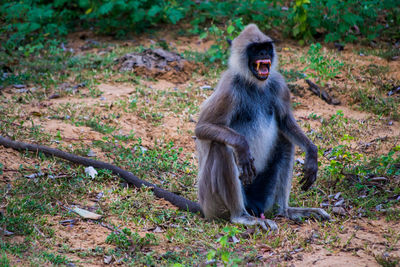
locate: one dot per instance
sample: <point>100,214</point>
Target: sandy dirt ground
<point>359,239</point>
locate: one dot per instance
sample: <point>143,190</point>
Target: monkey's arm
<point>222,134</point>
<point>225,135</point>
<point>294,133</point>
<point>289,127</point>
<point>212,125</point>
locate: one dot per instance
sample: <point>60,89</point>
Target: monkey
<point>245,139</point>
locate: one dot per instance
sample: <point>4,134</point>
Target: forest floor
<point>79,101</point>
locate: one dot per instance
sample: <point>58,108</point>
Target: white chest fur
<point>261,141</point>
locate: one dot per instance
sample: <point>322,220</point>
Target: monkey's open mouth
<point>262,67</point>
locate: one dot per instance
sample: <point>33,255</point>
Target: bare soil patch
<point>360,241</point>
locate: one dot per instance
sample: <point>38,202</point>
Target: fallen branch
<point>322,93</point>
<point>178,201</point>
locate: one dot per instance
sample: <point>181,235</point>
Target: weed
<point>388,53</point>
<point>324,64</point>
<point>224,253</point>
<point>96,124</point>
<point>377,104</point>
<point>386,261</point>
<point>300,18</point>
<point>4,260</point>
<point>292,75</point>
<point>126,239</point>
<point>219,51</point>
<point>55,259</point>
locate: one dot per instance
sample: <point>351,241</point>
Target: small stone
<point>339,203</point>
<point>107,259</point>
<point>337,195</point>
<point>158,230</point>
<point>91,153</point>
<point>19,86</point>
<point>54,96</point>
<point>339,210</point>
<point>300,161</point>
<point>235,239</point>
<point>91,172</point>
<point>379,179</point>
<point>379,207</point>
<point>5,232</point>
<point>206,87</point>
<point>34,175</point>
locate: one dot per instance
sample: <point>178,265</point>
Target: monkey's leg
<point>284,186</point>
<point>260,195</point>
<point>220,189</point>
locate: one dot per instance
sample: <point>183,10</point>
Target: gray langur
<point>246,134</point>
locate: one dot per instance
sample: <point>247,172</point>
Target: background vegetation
<point>48,78</point>
<point>33,21</point>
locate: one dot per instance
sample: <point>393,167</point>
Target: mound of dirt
<point>158,63</point>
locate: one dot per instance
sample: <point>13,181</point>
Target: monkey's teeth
<point>258,65</point>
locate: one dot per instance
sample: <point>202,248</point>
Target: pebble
<point>206,87</point>
<point>339,210</point>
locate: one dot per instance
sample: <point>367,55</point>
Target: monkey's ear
<point>229,41</point>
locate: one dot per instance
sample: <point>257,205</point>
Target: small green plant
<point>55,259</point>
<point>125,239</point>
<point>96,124</point>
<point>299,16</point>
<point>291,75</point>
<point>377,104</point>
<point>314,116</point>
<point>219,51</point>
<point>224,252</point>
<point>323,65</point>
<point>4,261</point>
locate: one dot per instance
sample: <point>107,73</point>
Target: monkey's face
<point>260,57</point>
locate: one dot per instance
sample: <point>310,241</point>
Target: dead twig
<point>178,201</point>
<point>322,93</point>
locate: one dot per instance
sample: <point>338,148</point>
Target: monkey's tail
<point>178,201</point>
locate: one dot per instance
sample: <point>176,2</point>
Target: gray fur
<point>244,118</point>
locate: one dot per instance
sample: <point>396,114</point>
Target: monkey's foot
<point>297,214</point>
<point>250,220</point>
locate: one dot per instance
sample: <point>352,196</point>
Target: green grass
<point>144,230</point>
<point>388,53</point>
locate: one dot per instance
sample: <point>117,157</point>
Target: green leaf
<point>211,254</point>
<point>175,15</point>
<point>230,29</point>
<point>154,10</point>
<point>106,8</point>
<point>203,35</point>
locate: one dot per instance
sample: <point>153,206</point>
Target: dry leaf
<point>86,214</point>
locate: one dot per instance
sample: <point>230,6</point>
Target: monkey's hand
<point>310,168</point>
<point>247,170</point>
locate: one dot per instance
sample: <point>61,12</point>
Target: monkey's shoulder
<point>276,83</point>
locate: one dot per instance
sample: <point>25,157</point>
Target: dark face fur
<point>260,57</point>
